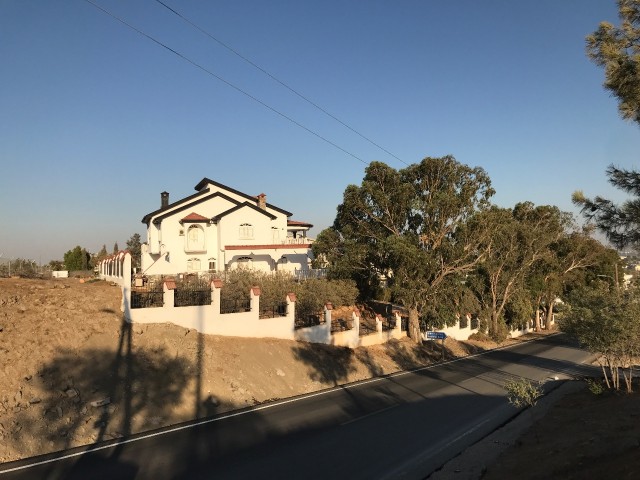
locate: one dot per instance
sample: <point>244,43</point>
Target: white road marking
<point>254,409</point>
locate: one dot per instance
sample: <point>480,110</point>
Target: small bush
<point>595,386</point>
<point>480,337</point>
<point>522,392</point>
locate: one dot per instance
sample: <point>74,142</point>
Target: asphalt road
<point>404,425</point>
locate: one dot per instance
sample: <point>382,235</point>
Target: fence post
<point>398,318</point>
<point>291,305</point>
<point>255,299</point>
<point>216,285</point>
<point>168,297</point>
<point>327,314</point>
<point>355,316</point>
<point>378,323</point>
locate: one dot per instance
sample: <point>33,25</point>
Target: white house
<point>219,228</point>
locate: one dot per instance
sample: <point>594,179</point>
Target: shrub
<point>595,386</point>
<point>522,392</point>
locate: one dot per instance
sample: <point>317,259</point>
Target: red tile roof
<point>194,217</point>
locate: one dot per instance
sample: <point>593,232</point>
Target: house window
<point>193,265</point>
<point>212,264</point>
<point>275,234</point>
<point>246,231</point>
<point>195,239</point>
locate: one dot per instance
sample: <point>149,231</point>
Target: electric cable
<point>274,78</point>
<point>223,80</point>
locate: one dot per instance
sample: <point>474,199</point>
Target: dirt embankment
<point>72,373</point>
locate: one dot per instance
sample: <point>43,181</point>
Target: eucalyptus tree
<point>521,238</point>
<point>575,252</point>
<point>408,227</point>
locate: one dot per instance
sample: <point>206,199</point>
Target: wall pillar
<point>168,297</point>
<point>355,315</point>
<point>216,286</point>
<point>328,307</point>
<point>291,306</point>
<point>254,294</point>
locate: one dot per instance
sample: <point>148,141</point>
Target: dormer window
<point>246,231</point>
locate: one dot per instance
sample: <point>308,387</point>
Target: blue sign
<point>436,335</point>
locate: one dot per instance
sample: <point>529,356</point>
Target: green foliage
<point>620,223</point>
<point>408,226</point>
<point>596,387</point>
<point>116,249</point>
<point>521,242</point>
<point>607,322</point>
<point>56,265</point>
<point>522,392</point>
<point>77,259</point>
<point>617,49</point>
<point>311,294</point>
<point>135,249</point>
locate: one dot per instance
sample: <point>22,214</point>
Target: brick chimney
<point>164,199</point>
<point>262,201</point>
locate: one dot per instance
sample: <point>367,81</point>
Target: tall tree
<point>116,249</point>
<point>620,223</point>
<point>76,259</point>
<point>573,253</point>
<point>408,226</point>
<point>135,249</point>
<point>617,50</point>
<point>521,238</point>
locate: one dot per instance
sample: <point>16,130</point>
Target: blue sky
<point>96,120</point>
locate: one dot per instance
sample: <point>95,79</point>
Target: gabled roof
<point>202,183</point>
<point>217,218</point>
<point>186,206</point>
<point>194,217</point>
<point>148,216</point>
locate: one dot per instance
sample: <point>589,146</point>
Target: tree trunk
<point>549,316</point>
<point>537,325</point>
<point>414,326</point>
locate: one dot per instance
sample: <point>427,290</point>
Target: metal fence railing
<point>147,298</point>
<point>235,306</point>
<point>308,320</point>
<point>185,297</point>
<point>341,325</point>
<point>272,311</point>
<point>366,328</point>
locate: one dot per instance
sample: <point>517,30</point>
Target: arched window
<point>246,231</point>
<point>193,265</point>
<point>195,239</point>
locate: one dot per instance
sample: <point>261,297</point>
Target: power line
<point>228,83</point>
<point>274,78</point>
